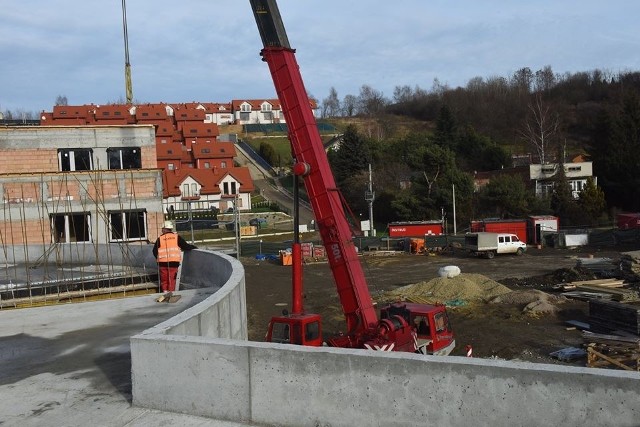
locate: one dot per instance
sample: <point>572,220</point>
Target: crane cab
<point>299,329</point>
<point>430,323</point>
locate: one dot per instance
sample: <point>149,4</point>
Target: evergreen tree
<point>563,204</point>
<point>618,155</point>
<point>592,201</point>
<point>446,128</point>
<point>504,196</point>
<point>268,153</point>
<point>352,156</point>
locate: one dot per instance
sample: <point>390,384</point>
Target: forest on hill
<point>424,143</point>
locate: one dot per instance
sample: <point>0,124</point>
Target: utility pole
<point>127,65</point>
<point>236,220</point>
<point>454,209</point>
<point>369,197</point>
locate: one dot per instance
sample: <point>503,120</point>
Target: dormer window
<point>245,108</point>
<point>266,107</point>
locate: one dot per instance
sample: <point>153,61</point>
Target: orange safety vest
<point>168,249</point>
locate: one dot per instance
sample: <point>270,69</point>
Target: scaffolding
<point>77,236</point>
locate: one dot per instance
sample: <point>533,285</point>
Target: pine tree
<point>592,201</point>
<point>352,156</point>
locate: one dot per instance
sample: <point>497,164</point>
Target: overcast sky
<point>208,50</point>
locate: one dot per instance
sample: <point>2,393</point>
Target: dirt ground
<point>498,330</point>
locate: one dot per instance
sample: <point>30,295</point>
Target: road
<point>272,192</point>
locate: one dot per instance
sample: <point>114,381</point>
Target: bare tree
<point>349,105</point>
<point>61,100</point>
<point>370,101</point>
<point>545,80</point>
<point>522,80</point>
<point>431,181</point>
<point>331,104</point>
<point>541,126</point>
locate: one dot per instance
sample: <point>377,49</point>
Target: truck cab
<point>430,326</point>
<point>510,244</point>
<point>298,329</point>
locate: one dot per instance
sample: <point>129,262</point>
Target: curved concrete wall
<point>200,363</point>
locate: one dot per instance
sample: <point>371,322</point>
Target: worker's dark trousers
<point>168,276</point>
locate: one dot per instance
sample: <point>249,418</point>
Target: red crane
<point>398,328</point>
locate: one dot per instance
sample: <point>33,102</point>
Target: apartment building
<point>198,169</point>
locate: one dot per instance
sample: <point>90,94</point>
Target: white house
<point>576,172</point>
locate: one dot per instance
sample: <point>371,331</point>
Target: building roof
<point>209,179</point>
<point>217,150</point>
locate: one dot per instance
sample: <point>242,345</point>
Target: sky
<point>208,50</point>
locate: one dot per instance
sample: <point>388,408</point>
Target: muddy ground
<point>493,330</point>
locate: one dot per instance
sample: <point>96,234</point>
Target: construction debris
<point>569,354</point>
<point>604,267</point>
<point>630,266</point>
<point>608,289</point>
<point>605,351</point>
<point>168,297</point>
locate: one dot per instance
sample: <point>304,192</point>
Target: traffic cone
<point>469,350</point>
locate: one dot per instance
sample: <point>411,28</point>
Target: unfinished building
<point>78,203</point>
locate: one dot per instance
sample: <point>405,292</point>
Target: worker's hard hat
<point>168,225</point>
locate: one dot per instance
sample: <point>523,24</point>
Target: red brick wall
<point>29,160</point>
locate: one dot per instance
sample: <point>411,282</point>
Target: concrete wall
<point>138,254</point>
<point>296,386</point>
<point>199,362</point>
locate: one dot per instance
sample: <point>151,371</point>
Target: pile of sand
<point>471,288</point>
<point>534,301</point>
<point>465,287</point>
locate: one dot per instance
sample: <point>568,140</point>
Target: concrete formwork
<point>211,370</point>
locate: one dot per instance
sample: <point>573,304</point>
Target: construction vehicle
<point>402,326</point>
<point>490,244</point>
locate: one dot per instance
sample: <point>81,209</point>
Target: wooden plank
<point>590,336</point>
<point>593,352</point>
<point>601,282</point>
<point>598,288</point>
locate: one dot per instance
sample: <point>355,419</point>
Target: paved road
<point>272,192</point>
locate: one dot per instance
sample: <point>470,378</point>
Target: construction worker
<point>168,252</point>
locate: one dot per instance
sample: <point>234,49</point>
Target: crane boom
<point>307,148</point>
<point>403,326</point>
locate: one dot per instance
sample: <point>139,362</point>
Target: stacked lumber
<point>609,289</point>
<point>609,316</point>
<point>630,265</point>
<point>604,351</point>
<point>603,266</point>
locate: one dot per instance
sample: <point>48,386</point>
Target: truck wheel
<point>490,254</point>
<point>520,251</point>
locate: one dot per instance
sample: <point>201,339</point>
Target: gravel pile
<point>473,288</point>
<point>534,301</point>
<point>465,287</point>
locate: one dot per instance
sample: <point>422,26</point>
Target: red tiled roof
<point>169,151</point>
<point>153,112</point>
<point>217,150</point>
<point>256,104</point>
<point>117,113</point>
<point>209,179</point>
<point>199,129</point>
